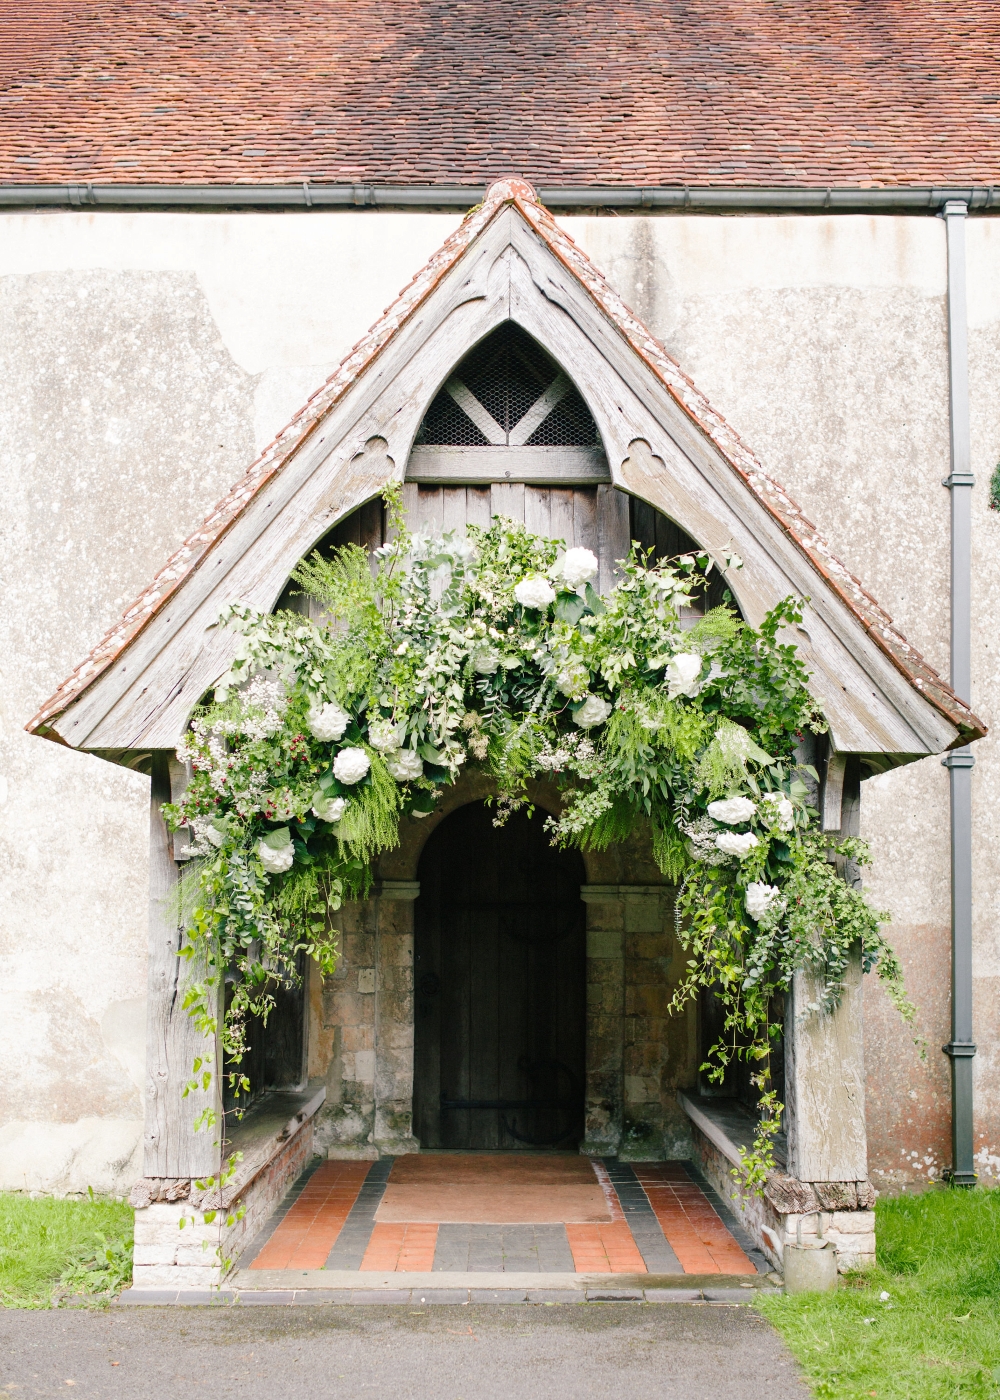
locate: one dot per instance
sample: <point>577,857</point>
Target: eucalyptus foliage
<point>495,650</point>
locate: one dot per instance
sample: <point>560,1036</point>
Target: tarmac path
<point>608,1351</point>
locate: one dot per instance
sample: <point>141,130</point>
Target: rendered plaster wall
<point>145,357</point>
<point>824,342</point>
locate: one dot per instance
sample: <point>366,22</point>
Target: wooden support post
<point>825,1083</point>
<point>172,1147</point>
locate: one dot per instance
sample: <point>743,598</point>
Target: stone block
<point>154,1253</point>
<point>642,914</point>
<point>364,1066</point>
<point>195,1257</point>
<point>176,1276</point>
<point>853,1222</point>
<point>604,943</point>
<point>366,980</point>
<point>358,1038</point>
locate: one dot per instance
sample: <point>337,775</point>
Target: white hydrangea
<point>682,674</point>
<point>276,859</point>
<point>592,712</point>
<point>760,898</point>
<point>572,681</point>
<point>534,592</point>
<point>781,813</point>
<point>736,843</point>
<point>485,660</point>
<point>350,766</point>
<point>385,736</point>
<point>326,722</point>
<point>732,810</point>
<point>577,567</point>
<point>405,765</point>
<point>329,809</point>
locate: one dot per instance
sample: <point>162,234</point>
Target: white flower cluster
<point>384,736</point>
<point>573,751</point>
<point>263,703</point>
<point>761,899</point>
<point>701,837</point>
<point>535,592</point>
<point>327,722</point>
<point>731,810</point>
<point>576,567</point>
<point>276,852</point>
<point>572,680</point>
<point>683,674</point>
<point>592,712</point>
<point>736,843</point>
<point>781,813</point>
<point>329,809</point>
<point>350,766</point>
<point>404,765</point>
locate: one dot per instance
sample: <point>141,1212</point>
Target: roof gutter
<point>899,199</point>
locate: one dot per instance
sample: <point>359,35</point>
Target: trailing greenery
<point>495,650</point>
<point>924,1324</point>
<point>51,1248</point>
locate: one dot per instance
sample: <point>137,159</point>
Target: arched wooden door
<point>500,963</point>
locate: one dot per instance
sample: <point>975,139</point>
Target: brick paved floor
<point>500,1212</point>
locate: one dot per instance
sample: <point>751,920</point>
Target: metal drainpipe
<point>960,761</point>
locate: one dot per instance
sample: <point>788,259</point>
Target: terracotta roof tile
<point>723,92</point>
<point>873,618</point>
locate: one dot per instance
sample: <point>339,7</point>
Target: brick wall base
<point>176,1247</point>
<point>852,1231</point>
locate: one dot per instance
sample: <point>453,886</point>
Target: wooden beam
<point>480,466</point>
<point>172,1148</point>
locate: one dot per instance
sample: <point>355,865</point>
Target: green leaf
<point>594,602</point>
<point>569,607</point>
<point>278,839</point>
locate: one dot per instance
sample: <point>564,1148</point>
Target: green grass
<point>937,1335</point>
<point>50,1248</point>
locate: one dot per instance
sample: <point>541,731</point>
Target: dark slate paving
<point>492,1249</point>
<point>653,1245</point>
<point>351,1243</point>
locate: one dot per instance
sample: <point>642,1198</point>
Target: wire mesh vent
<point>508,392</point>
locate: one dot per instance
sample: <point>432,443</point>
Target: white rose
<point>351,765</point>
<point>534,592</point>
<point>577,567</point>
<point>732,810</point>
<point>384,736</point>
<point>782,813</point>
<point>682,674</point>
<point>592,712</point>
<point>276,859</point>
<point>327,722</point>
<point>405,765</point>
<point>329,809</point>
<point>734,843</point>
<point>760,898</point>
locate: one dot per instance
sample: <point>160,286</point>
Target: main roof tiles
<point>657,92</point>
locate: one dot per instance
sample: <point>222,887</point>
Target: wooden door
<point>500,949</point>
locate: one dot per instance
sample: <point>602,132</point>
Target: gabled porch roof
<point>665,442</point>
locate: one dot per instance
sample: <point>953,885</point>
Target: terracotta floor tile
<point>604,1249</point>
<point>400,1247</point>
<point>304,1238</point>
